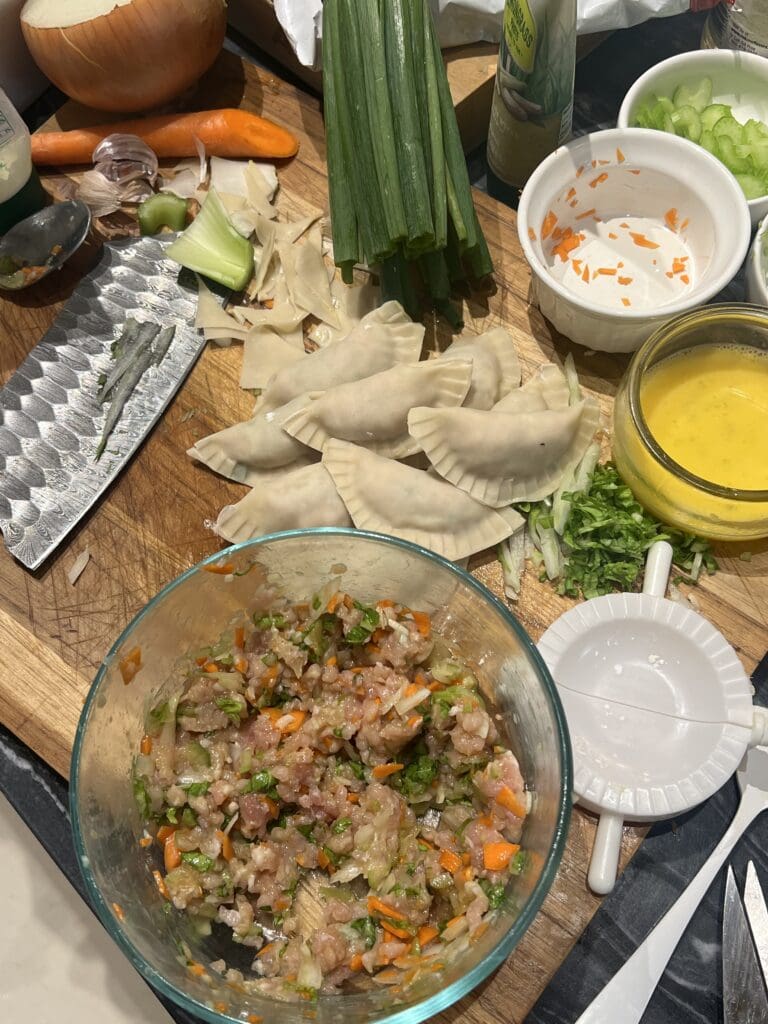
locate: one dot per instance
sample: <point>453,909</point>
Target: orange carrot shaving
<point>670,219</point>
<point>511,802</point>
<point>467,873</point>
<point>210,666</point>
<point>603,162</point>
<point>386,602</point>
<point>486,820</point>
<point>130,664</point>
<point>382,771</point>
<point>626,302</point>
<point>333,604</point>
<point>587,213</point>
<point>195,968</point>
<point>241,664</point>
<point>268,303</point>
<point>576,264</point>
<point>119,912</point>
<point>496,856</point>
<point>423,622</point>
<point>532,234</point>
<point>620,158</point>
<point>323,859</point>
<point>239,637</point>
<point>678,265</point>
<point>274,810</point>
<point>641,240</point>
<point>146,745</point>
<point>227,850</point>
<point>434,687</point>
<point>580,171</point>
<point>607,271</point>
<point>171,854</point>
<point>619,264</point>
<point>466,858</point>
<point>164,831</point>
<point>585,275</point>
<point>548,224</point>
<point>265,949</point>
<point>220,1007</point>
<point>557,234</point>
<point>603,176</point>
<point>459,917</point>
<point>225,569</point>
<point>399,933</point>
<point>145,841</point>
<point>162,888</point>
<point>254,1018</point>
<point>353,798</point>
<point>571,193</point>
<point>356,963</point>
<point>568,243</point>
<point>414,721</point>
<point>332,661</point>
<point>426,934</point>
<point>289,721</point>
<point>611,234</point>
<point>380,907</point>
<point>411,689</point>
<point>685,224</point>
<point>685,279</point>
<point>634,172</point>
<point>625,280</point>
<point>574,203</point>
<point>450,861</point>
<point>624,225</point>
<point>420,679</point>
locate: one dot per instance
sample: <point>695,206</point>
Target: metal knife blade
<point>744,997</point>
<point>757,915</point>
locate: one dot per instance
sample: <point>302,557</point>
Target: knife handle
<point>627,994</point>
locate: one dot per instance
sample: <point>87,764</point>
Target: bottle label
<point>520,34</point>
<point>7,134</point>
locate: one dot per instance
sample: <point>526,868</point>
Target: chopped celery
<point>687,123</point>
<point>729,128</point>
<point>713,113</point>
<point>752,187</point>
<point>212,247</point>
<point>727,152</point>
<point>160,211</point>
<point>698,96</point>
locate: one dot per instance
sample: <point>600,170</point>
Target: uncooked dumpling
<point>296,500</point>
<point>547,389</point>
<point>387,496</point>
<point>381,340</point>
<point>374,412</point>
<point>245,449</point>
<point>501,457</point>
<point>495,366</point>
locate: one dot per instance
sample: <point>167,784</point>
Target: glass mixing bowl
<point>195,609</point>
<point>660,484</point>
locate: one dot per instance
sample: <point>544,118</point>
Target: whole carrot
<point>229,132</point>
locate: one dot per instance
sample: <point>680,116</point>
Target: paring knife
<point>744,997</point>
<point>757,914</point>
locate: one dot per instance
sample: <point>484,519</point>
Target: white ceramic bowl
<point>657,172</point>
<point>757,268</point>
<point>738,79</point>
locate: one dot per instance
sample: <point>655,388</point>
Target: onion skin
<point>137,57</point>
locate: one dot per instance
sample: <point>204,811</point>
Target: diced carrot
<point>450,861</point>
<point>356,963</point>
<point>164,831</point>
<point>455,920</point>
<point>220,1007</point>
<point>685,279</point>
<point>171,854</point>
<point>423,622</point>
<point>323,859</point>
<point>669,274</point>
<point>268,303</point>
<point>265,949</point>
<point>612,235</point>
<point>532,234</point>
<point>585,275</point>
<point>571,193</point>
<point>685,224</point>
<point>576,264</point>
<point>557,233</point>
<point>221,569</point>
<point>496,856</point>
<point>380,907</point>
<point>227,851</point>
<point>119,912</point>
<point>240,637</point>
<point>511,802</point>
<point>607,271</point>
<point>580,171</point>
<point>210,666</point>
<point>420,679</point>
<point>130,664</point>
<point>641,240</point>
<point>624,225</point>
<point>378,635</point>
<point>195,968</point>
<point>146,745</point>
<point>426,934</point>
<point>241,665</point>
<point>332,662</point>
<point>466,858</point>
<point>274,810</point>
<point>353,798</point>
<point>626,302</point>
<point>382,771</point>
<point>254,1018</point>
<point>162,888</point>
<point>433,687</point>
<point>634,172</point>
<point>486,820</point>
<point>399,933</point>
<point>619,264</point>
<point>670,219</point>
<point>587,213</point>
<point>467,873</point>
<point>270,676</point>
<point>334,602</point>
<point>386,603</point>
<point>145,841</point>
<point>568,243</point>
<point>620,158</point>
<point>411,689</point>
<point>603,176</point>
<point>289,721</point>
<point>414,721</point>
<point>625,280</point>
<point>372,649</point>
<point>548,224</point>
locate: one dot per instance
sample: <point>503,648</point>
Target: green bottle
<point>532,106</point>
<point>21,193</point>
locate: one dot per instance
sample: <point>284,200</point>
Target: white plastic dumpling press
<point>658,704</point>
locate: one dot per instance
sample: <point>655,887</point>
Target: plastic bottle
<point>532,106</point>
<point>742,25</point>
<point>20,190</point>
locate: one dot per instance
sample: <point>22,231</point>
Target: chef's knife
<point>744,996</point>
<point>757,915</point>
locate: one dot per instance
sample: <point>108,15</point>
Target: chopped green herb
<point>263,782</point>
<point>188,818</point>
<point>186,710</point>
<point>332,856</point>
<point>172,816</point>
<point>306,831</point>
<point>357,769</point>
<point>158,716</point>
<point>341,826</point>
<point>366,926</point>
<point>198,860</point>
<point>230,706</point>
<point>141,797</point>
<point>197,788</point>
<point>518,863</point>
<point>269,659</point>
<point>269,621</point>
<point>418,776</point>
<point>494,893</point>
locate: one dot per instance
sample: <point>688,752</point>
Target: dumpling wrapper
<point>547,389</point>
<point>381,340</point>
<point>352,303</point>
<point>388,497</point>
<point>307,277</point>
<point>230,176</point>
<point>495,365</point>
<point>501,457</point>
<point>373,412</point>
<point>259,191</point>
<point>243,451</point>
<point>265,353</point>
<point>295,500</point>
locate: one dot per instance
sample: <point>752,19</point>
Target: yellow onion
<point>124,55</point>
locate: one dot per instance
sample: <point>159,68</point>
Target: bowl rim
<point>751,61</point>
<point>637,370</point>
<point>757,265</point>
<point>441,999</point>
<point>689,152</point>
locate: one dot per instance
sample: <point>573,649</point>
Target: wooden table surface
<point>152,524</point>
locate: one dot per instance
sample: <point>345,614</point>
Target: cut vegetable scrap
<point>670,219</point>
<point>625,301</point>
<point>642,240</point>
<point>603,176</point>
<point>78,566</point>
<point>620,158</point>
<point>211,246</point>
<point>587,213</point>
<point>548,225</point>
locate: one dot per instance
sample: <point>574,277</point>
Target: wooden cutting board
<point>151,525</point>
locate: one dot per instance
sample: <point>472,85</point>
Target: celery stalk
<point>213,248</point>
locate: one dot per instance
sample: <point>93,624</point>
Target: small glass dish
<point>663,486</point>
<point>196,608</point>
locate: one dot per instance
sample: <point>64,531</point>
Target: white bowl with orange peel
<point>626,228</point>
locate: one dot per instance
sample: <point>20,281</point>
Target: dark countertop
<point>690,990</point>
